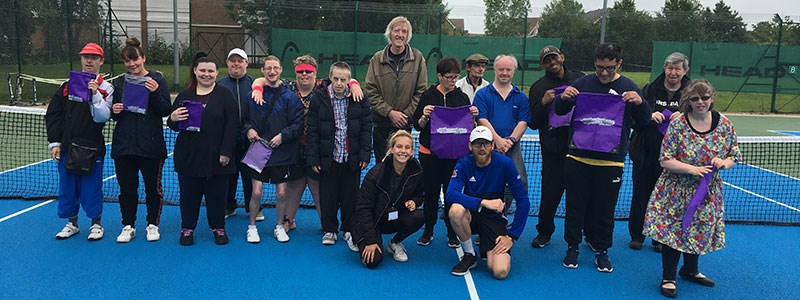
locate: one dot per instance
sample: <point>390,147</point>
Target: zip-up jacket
<point>322,130</point>
<point>142,134</point>
<point>394,85</point>
<point>241,89</point>
<point>286,119</point>
<point>554,141</point>
<point>67,120</point>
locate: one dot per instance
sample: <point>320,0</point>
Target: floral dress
<point>673,191</point>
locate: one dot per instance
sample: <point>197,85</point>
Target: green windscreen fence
<point>736,67</point>
<point>357,48</point>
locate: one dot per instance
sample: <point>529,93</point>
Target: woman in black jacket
<point>387,202</point>
<point>138,143</point>
<point>202,155</point>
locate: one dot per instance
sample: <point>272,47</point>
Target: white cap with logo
<point>480,132</point>
<point>239,52</point>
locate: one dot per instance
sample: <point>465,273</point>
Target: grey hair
<point>677,57</point>
<point>501,56</point>
<point>394,22</point>
<point>339,65</point>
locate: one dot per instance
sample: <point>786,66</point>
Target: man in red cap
<point>75,119</point>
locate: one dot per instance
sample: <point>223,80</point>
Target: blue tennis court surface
<point>787,132</point>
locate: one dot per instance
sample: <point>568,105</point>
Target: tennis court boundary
<point>761,196</point>
<point>473,293</point>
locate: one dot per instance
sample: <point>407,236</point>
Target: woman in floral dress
<point>700,142</point>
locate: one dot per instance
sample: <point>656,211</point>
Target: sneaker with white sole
<point>349,239</point>
<point>230,213</point>
<point>152,233</point>
<point>127,234</point>
<point>68,231</point>
<point>398,251</point>
<point>252,235</point>
<point>260,216</point>
<point>329,238</point>
<point>95,232</point>
<point>280,234</point>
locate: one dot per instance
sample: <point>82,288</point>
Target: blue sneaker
<point>602,262</point>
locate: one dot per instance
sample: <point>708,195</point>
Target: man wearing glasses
<point>596,175</point>
<point>476,192</point>
<point>470,84</point>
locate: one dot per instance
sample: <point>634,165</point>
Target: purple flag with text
<point>78,86</point>
<point>135,95</point>
<point>195,116</point>
<point>450,128</point>
<point>597,122</point>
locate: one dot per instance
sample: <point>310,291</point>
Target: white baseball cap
<point>239,52</point>
<point>480,132</point>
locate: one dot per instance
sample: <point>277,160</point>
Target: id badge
<point>392,215</point>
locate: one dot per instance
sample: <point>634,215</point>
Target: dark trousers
<point>591,197</point>
<point>669,263</point>
<point>247,184</point>
<point>436,175</point>
<point>406,224</point>
<point>380,135</point>
<point>128,168</point>
<point>645,174</point>
<point>338,190</point>
<point>553,186</point>
<point>192,190</point>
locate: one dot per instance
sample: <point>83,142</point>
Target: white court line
<point>762,197</point>
<point>25,166</point>
<point>25,210</point>
<point>473,293</point>
<point>771,171</point>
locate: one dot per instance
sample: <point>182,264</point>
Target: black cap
<point>546,51</point>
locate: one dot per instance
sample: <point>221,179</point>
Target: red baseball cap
<point>92,49</point>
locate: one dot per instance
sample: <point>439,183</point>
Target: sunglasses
<point>696,98</point>
<point>304,72</point>
<point>609,69</point>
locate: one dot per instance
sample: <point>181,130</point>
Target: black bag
<point>82,157</point>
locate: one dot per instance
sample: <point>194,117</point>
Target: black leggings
<point>669,263</point>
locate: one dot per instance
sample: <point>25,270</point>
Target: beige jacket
<point>391,86</point>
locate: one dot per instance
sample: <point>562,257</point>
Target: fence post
<point>68,17</point>
<point>777,65</point>
<point>110,38</point>
<point>17,12</point>
<point>269,24</point>
<point>355,41</point>
<point>524,48</point>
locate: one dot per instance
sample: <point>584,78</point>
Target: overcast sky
<point>751,11</point>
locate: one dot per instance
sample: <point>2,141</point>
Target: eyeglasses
<point>698,98</point>
<point>304,72</point>
<point>271,68</point>
<point>450,77</point>
<point>481,144</point>
<point>609,69</point>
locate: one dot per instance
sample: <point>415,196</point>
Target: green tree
<point>566,19</point>
<point>679,20</point>
<point>763,32</point>
<point>506,17</point>
<point>633,30</point>
<point>723,25</point>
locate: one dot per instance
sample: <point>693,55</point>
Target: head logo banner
<point>597,122</point>
<point>450,128</point>
<point>554,120</point>
<point>135,95</point>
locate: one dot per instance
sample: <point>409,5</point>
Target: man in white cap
<point>476,192</point>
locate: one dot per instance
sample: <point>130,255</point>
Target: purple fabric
<point>665,124</point>
<point>135,95</point>
<point>699,195</point>
<point>555,120</point>
<point>195,116</point>
<point>450,128</point>
<point>78,86</point>
<point>257,155</point>
<point>597,124</point>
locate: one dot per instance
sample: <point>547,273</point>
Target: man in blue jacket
<point>476,191</point>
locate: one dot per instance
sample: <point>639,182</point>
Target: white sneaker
<point>152,233</point>
<point>127,234</point>
<point>260,216</point>
<point>252,235</point>
<point>95,232</point>
<point>329,238</point>
<point>349,239</point>
<point>399,251</point>
<point>280,234</point>
<point>68,231</point>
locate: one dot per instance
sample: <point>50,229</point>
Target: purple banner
<point>135,95</point>
<point>597,122</point>
<point>450,128</point>
<point>699,195</point>
<point>195,116</point>
<point>665,124</point>
<point>554,120</point>
<point>78,86</point>
<point>257,155</point>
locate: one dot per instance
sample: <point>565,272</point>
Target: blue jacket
<point>286,119</point>
<point>241,90</point>
<point>142,134</point>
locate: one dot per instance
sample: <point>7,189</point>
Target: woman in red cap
<point>75,118</point>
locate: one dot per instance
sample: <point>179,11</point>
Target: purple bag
<point>257,155</point>
<point>553,119</point>
<point>136,95</point>
<point>195,116</point>
<point>78,86</point>
<point>699,195</point>
<point>597,124</point>
<point>450,128</point>
<point>664,125</point>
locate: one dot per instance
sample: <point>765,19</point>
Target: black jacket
<point>286,119</point>
<point>374,201</point>
<point>197,153</point>
<point>142,134</point>
<point>646,139</point>
<point>241,90</point>
<point>432,96</point>
<point>554,141</point>
<point>322,130</point>
<point>68,121</point>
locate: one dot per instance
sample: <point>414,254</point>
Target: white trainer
<point>399,251</point>
<point>349,239</point>
<point>152,233</point>
<point>127,234</point>
<point>68,231</point>
<point>95,232</point>
<point>280,234</point>
<point>329,238</point>
<point>260,216</point>
<point>252,235</point>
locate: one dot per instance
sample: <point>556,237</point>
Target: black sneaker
<point>591,247</point>
<point>453,242</point>
<point>635,245</point>
<point>571,259</point>
<point>425,239</point>
<point>540,241</point>
<point>220,237</point>
<point>187,237</point>
<point>602,262</point>
<point>467,262</point>
<point>657,247</point>
<point>229,212</point>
